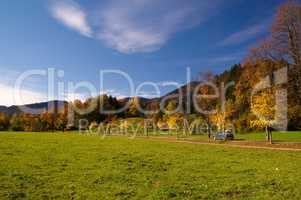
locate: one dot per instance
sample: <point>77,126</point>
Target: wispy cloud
<point>135,26</point>
<point>145,26</point>
<point>72,15</point>
<point>246,34</point>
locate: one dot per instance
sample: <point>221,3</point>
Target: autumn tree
<point>16,123</point>
<point>175,121</point>
<point>4,122</point>
<point>223,117</point>
<point>263,104</point>
<point>61,122</point>
<point>133,111</point>
<point>205,98</point>
<point>284,41</point>
<point>283,46</point>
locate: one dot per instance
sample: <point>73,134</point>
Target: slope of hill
<point>36,108</point>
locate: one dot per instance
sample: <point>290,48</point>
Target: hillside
<point>38,107</point>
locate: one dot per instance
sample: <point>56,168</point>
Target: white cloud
<point>245,35</point>
<point>71,97</point>
<point>145,26</point>
<point>72,15</point>
<point>26,95</point>
<point>113,93</point>
<point>148,94</point>
<point>135,25</point>
<point>8,96</point>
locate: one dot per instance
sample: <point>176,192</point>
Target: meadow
<point>72,166</point>
<point>289,136</point>
<point>286,136</point>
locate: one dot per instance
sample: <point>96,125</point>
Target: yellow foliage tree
<point>175,121</point>
<point>263,105</point>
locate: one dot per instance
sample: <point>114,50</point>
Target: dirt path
<point>236,144</point>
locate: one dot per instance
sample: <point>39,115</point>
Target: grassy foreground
<point>69,166</point>
<point>284,137</point>
<point>291,136</point>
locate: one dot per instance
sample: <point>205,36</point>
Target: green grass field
<point>290,136</point>
<point>70,166</point>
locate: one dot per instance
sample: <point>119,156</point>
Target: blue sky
<point>151,40</point>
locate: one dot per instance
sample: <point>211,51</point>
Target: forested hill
<point>38,107</point>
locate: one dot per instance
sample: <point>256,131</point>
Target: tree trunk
<point>270,133</point>
<point>109,129</point>
<point>209,131</point>
<point>267,134</point>
<point>208,128</point>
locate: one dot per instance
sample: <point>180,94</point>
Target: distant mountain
<point>140,99</point>
<point>36,108</point>
<point>185,90</point>
<point>184,94</point>
<point>9,110</point>
<point>4,109</point>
